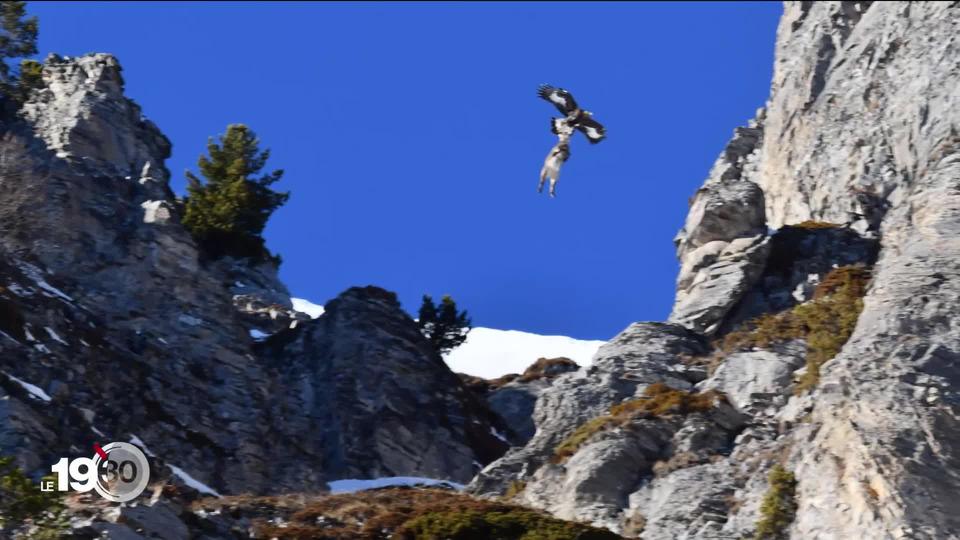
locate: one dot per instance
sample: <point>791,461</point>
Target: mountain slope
<point>110,310</point>
<point>820,286</point>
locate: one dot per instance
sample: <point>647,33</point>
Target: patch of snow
<point>238,284</point>
<point>8,336</point>
<point>42,348</point>
<point>84,343</point>
<point>258,335</point>
<point>34,273</point>
<point>53,335</point>
<point>350,486</point>
<point>137,441</point>
<point>491,353</point>
<point>152,211</point>
<point>189,320</point>
<point>161,340</point>
<point>97,431</point>
<point>497,434</point>
<point>308,307</point>
<point>33,389</point>
<point>18,290</point>
<point>192,482</point>
<point>29,336</point>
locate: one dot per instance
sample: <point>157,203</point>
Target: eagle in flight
<point>574,118</point>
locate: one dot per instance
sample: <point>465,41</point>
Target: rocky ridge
<point>110,311</point>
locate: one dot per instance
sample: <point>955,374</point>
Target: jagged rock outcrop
<point>513,396</point>
<point>111,312</point>
<point>640,355</point>
<point>723,244</point>
<point>363,393</point>
<point>853,160</point>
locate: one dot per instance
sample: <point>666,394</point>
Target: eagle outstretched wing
<point>560,98</point>
<point>594,131</point>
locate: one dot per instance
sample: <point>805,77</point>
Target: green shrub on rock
<point>779,505</point>
<point>25,509</point>
<point>825,323</point>
<point>517,524</point>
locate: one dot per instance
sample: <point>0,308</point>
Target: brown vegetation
<point>658,400</point>
<point>825,323</point>
<point>548,368</point>
<point>399,513</point>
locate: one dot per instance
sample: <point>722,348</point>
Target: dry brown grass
<point>813,224</point>
<point>658,400</point>
<point>547,368</point>
<point>515,488</point>
<point>825,323</point>
<point>397,513</point>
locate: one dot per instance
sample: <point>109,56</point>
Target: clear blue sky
<point>412,137</point>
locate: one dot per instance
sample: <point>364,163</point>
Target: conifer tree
<point>444,327</point>
<point>227,213</point>
<point>18,38</point>
<point>18,35</point>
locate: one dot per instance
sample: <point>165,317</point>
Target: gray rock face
<point>745,376</point>
<point>363,393</point>
<point>880,119</point>
<point>859,132</point>
<point>722,246</point>
<point>514,401</point>
<point>108,310</point>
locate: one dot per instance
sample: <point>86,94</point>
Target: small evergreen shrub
<point>779,505</point>
<point>38,514</point>
<point>444,326</point>
<point>31,79</point>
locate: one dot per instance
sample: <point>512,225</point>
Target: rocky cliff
<point>115,327</point>
<point>818,294</point>
<point>814,332</point>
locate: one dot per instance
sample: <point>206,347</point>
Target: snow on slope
<point>308,307</point>
<point>490,353</point>
<point>351,486</point>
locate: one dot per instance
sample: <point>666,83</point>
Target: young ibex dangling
<point>551,166</point>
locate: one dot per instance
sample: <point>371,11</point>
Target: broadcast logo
<point>119,472</point>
